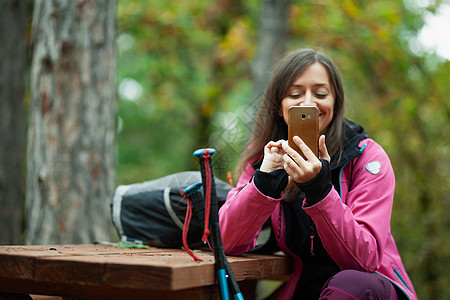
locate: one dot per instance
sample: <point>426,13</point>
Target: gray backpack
<point>153,212</point>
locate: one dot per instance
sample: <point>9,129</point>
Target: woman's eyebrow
<point>316,84</point>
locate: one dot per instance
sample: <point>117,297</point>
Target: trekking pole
<point>223,268</point>
<point>193,198</point>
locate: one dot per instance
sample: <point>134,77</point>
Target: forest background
<point>190,75</point>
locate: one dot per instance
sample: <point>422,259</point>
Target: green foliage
<point>193,61</point>
<point>187,57</point>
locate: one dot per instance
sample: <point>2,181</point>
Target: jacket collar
<point>353,134</point>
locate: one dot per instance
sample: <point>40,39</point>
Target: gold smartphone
<point>303,121</point>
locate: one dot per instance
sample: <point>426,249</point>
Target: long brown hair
<point>270,126</point>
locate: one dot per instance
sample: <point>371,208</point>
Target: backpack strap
<point>170,210</point>
<point>116,208</point>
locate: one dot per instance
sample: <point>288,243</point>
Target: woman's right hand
<point>273,157</point>
<point>304,170</point>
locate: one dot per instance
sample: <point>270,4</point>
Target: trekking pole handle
<point>204,157</point>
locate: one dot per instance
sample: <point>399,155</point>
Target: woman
<point>332,213</point>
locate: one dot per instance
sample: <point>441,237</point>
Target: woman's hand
<point>273,156</point>
<point>304,170</point>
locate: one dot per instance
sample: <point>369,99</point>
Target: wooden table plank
<point>103,267</point>
<point>101,292</point>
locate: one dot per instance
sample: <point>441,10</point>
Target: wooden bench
<point>109,272</point>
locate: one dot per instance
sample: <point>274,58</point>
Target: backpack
<point>153,212</point>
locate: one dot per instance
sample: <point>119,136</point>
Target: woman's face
<point>311,88</point>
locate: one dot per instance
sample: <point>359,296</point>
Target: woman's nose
<point>308,100</point>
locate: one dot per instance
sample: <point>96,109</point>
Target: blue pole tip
<point>201,152</point>
<point>192,188</point>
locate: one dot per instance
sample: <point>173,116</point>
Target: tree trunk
<point>13,36</point>
<point>71,137</point>
<point>271,44</point>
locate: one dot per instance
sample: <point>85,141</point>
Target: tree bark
<point>271,44</point>
<point>71,137</point>
<point>13,53</point>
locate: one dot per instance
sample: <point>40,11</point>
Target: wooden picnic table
<point>96,271</point>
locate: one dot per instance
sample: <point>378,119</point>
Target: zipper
<point>312,234</point>
<point>401,278</point>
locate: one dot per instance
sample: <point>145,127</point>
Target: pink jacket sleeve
<point>243,214</point>
<point>354,230</point>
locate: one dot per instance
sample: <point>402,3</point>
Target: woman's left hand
<point>304,170</point>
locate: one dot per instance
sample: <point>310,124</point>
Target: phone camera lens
<point>303,116</point>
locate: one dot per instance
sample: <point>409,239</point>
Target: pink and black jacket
<point>345,226</point>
